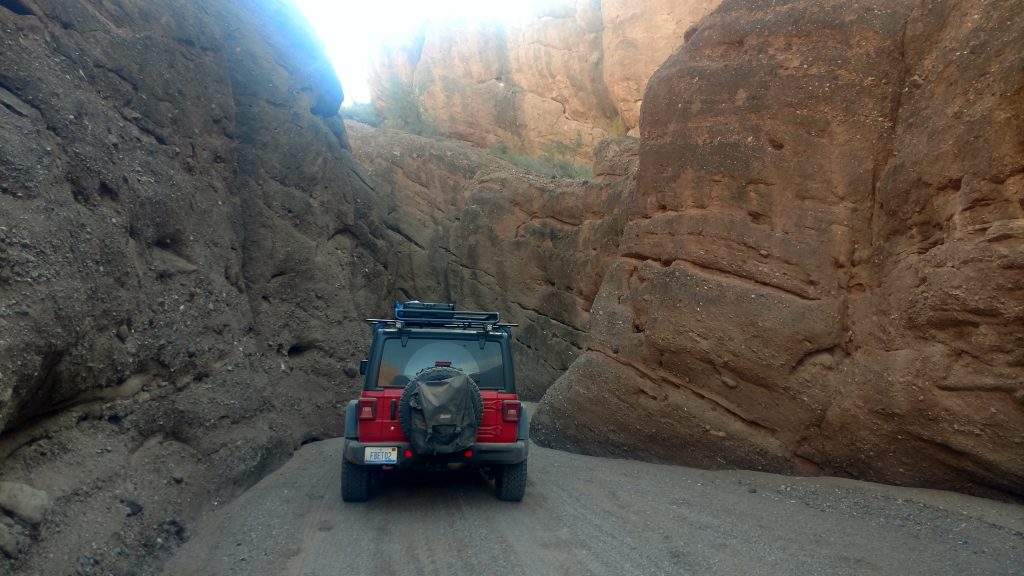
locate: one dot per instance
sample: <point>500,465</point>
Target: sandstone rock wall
<point>825,273</point>
<point>185,257</point>
<point>557,83</point>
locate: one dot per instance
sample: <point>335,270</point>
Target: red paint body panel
<point>492,428</point>
<point>384,428</point>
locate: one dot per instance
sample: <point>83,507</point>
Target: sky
<point>352,30</point>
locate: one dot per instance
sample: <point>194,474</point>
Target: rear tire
<point>510,482</point>
<point>355,482</point>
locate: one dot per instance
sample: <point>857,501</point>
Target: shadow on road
<point>429,484</point>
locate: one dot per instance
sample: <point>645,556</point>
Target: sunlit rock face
<point>825,274</point>
<point>636,39</point>
<point>556,84</point>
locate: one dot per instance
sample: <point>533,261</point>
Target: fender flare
<point>352,420</point>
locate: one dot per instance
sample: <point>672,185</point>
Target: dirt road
<point>585,515</point>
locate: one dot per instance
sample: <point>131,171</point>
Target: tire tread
<point>510,482</point>
<point>355,482</point>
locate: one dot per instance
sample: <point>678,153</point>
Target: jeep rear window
<point>399,365</point>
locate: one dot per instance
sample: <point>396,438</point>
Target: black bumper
<point>483,453</point>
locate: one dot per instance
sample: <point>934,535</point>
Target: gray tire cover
<point>440,411</point>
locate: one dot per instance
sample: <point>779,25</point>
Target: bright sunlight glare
<point>354,30</point>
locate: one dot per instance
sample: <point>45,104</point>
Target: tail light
<point>510,410</point>
<point>367,408</point>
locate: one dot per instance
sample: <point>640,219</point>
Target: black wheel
<point>355,482</point>
<point>510,482</point>
<point>407,402</point>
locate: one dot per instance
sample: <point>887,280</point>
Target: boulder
<point>23,501</point>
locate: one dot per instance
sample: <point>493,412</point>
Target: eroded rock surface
<point>185,258</point>
<point>825,275</point>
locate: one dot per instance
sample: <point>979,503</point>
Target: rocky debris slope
<point>185,254</point>
<point>554,84</point>
<point>466,227</point>
<point>825,274</point>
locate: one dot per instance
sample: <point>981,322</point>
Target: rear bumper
<point>483,453</point>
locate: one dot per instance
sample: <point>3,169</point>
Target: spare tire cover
<point>440,411</point>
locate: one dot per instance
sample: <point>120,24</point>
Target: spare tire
<point>440,411</point>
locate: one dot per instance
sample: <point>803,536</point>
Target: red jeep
<point>440,391</point>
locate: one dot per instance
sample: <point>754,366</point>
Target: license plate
<point>378,455</point>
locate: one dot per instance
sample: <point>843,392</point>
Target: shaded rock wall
<point>185,259</point>
<point>468,228</point>
<point>825,272</point>
<point>557,83</point>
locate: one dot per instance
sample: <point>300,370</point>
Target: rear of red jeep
<point>426,338</point>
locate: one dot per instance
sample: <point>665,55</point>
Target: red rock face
<point>825,272</point>
<point>637,37</point>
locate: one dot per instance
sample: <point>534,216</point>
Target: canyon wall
<point>554,84</point>
<point>824,272</point>
<point>186,254</point>
<point>810,263</point>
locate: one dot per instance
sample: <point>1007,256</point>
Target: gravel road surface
<point>585,515</point>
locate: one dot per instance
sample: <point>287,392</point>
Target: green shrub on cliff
<point>556,161</point>
<point>617,127</point>
<point>560,149</point>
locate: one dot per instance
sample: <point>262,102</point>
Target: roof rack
<point>428,314</point>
